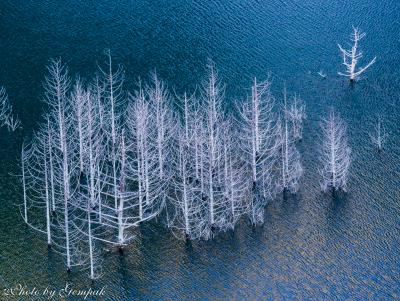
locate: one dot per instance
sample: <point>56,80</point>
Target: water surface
<point>312,247</point>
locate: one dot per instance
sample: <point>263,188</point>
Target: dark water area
<point>312,247</point>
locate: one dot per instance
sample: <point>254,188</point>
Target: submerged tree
<point>187,212</point>
<point>105,162</point>
<point>90,199</point>
<point>190,211</point>
<point>57,86</point>
<point>379,136</point>
<point>237,186</point>
<point>6,112</point>
<point>296,114</point>
<point>51,169</point>
<point>113,108</point>
<point>161,119</point>
<point>335,153</point>
<point>259,144</point>
<point>291,169</point>
<point>351,57</point>
<point>143,165</point>
<point>213,123</point>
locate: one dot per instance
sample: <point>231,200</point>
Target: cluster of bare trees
<point>97,167</point>
<point>104,160</point>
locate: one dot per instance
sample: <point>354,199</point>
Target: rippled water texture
<point>314,247</point>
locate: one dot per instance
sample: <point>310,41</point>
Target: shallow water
<point>312,247</point>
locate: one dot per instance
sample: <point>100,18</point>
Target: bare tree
<point>190,212</point>
<point>45,192</point>
<point>237,186</point>
<point>161,119</point>
<point>335,153</point>
<point>187,213</point>
<point>351,57</point>
<point>65,165</point>
<point>92,198</point>
<point>291,169</point>
<point>259,145</point>
<point>114,102</point>
<point>6,112</point>
<point>35,185</point>
<point>79,103</point>
<point>38,177</point>
<point>212,147</point>
<point>87,224</point>
<point>143,167</point>
<point>296,114</point>
<point>379,136</point>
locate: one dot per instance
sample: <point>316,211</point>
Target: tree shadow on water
<point>290,203</point>
<point>337,209</point>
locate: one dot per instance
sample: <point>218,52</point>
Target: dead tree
<point>291,169</point>
<point>296,114</point>
<point>89,202</point>
<point>212,146</point>
<point>160,109</point>
<point>351,57</point>
<point>379,135</point>
<point>335,153</point>
<point>259,145</point>
<point>143,165</point>
<point>190,212</point>
<point>236,183</point>
<point>114,103</point>
<point>6,112</point>
<point>64,157</point>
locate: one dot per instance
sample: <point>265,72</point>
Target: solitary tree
<point>351,57</point>
<point>379,135</point>
<point>335,153</point>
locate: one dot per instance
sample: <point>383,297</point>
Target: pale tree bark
<point>114,98</point>
<point>296,112</point>
<point>352,56</point>
<point>259,145</point>
<point>291,169</point>
<point>6,112</point>
<point>335,153</point>
<point>212,97</point>
<point>379,135</point>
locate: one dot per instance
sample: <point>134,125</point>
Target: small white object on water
<point>322,74</point>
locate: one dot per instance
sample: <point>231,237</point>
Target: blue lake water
<point>312,247</point>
